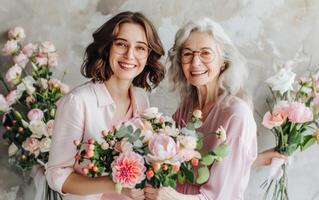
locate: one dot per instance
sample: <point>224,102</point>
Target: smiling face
<point>203,68</point>
<point>129,52</point>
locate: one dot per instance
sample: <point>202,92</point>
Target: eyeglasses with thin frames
<point>206,55</point>
<point>140,50</point>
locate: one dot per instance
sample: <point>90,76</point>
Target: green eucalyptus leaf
<point>208,159</point>
<point>203,175</point>
<point>222,150</point>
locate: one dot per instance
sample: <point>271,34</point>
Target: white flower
<point>4,106</point>
<point>12,150</point>
<point>10,48</point>
<point>47,47</point>
<point>13,96</point>
<point>197,114</point>
<point>50,124</point>
<point>45,144</point>
<point>38,128</point>
<point>150,113</point>
<point>221,134</point>
<point>41,60</point>
<point>29,49</point>
<point>16,33</point>
<point>43,83</point>
<point>282,81</point>
<point>27,84</point>
<point>188,142</point>
<point>13,75</point>
<point>21,59</point>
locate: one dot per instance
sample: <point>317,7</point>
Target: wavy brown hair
<point>96,59</point>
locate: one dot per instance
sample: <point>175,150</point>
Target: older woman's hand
<point>264,158</point>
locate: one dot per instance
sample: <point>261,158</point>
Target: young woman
<point>209,72</point>
<point>124,55</point>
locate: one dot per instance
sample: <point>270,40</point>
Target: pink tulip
<point>299,113</point>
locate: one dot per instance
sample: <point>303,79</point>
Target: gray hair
<point>231,79</point>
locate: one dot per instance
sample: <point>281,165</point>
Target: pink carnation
<point>128,169</point>
<point>299,113</point>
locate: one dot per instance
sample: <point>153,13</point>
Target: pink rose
<point>10,48</point>
<point>16,33</point>
<point>13,75</point>
<point>299,113</point>
<point>161,148</point>
<point>32,145</point>
<point>128,169</point>
<point>276,118</point>
<point>21,59</point>
<point>29,49</point>
<point>47,47</point>
<point>35,114</point>
<point>197,114</point>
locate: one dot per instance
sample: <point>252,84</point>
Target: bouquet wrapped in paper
<point>151,150</point>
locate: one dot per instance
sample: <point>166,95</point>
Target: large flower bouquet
<point>29,106</point>
<point>292,118</point>
<point>151,150</point>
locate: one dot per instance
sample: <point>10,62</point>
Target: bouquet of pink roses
<point>150,149</point>
<point>28,108</point>
<point>292,118</point>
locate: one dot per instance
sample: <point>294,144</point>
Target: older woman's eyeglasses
<point>140,50</point>
<point>206,55</point>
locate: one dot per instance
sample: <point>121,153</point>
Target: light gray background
<point>267,32</point>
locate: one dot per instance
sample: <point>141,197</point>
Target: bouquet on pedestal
<point>294,109</point>
<point>151,150</point>
<point>29,105</point>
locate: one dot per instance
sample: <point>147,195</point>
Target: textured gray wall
<point>267,32</point>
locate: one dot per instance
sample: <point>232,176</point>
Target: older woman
<point>209,72</point>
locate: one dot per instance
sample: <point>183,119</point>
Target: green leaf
<point>188,174</point>
<point>208,159</point>
<point>198,124</point>
<point>309,140</point>
<point>180,178</point>
<point>222,150</point>
<point>189,132</point>
<point>200,143</point>
<point>203,175</point>
<point>138,144</point>
<point>190,126</point>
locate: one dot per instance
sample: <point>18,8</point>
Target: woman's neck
<point>118,89</point>
<point>207,94</point>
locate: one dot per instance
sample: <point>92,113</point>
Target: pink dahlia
<point>128,169</point>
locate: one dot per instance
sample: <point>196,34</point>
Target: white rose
<point>12,150</point>
<point>21,59</point>
<point>188,142</point>
<point>4,106</point>
<point>27,84</point>
<point>282,81</point>
<point>13,75</point>
<point>150,113</point>
<point>10,48</point>
<point>47,47</point>
<point>45,144</point>
<point>38,128</point>
<point>16,33</point>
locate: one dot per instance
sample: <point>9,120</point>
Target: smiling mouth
<point>197,73</point>
<point>126,66</point>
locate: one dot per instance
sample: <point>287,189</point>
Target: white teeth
<point>198,72</point>
<point>126,65</point>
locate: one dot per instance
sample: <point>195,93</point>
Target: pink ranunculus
<point>35,114</point>
<point>162,148</point>
<point>128,169</point>
<point>299,113</point>
<point>13,96</point>
<point>276,118</point>
<point>29,49</point>
<point>32,145</point>
<point>47,47</point>
<point>13,75</point>
<point>16,33</point>
<point>21,59</point>
<point>10,48</point>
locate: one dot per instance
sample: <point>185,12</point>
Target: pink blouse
<point>229,178</point>
<point>83,114</point>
